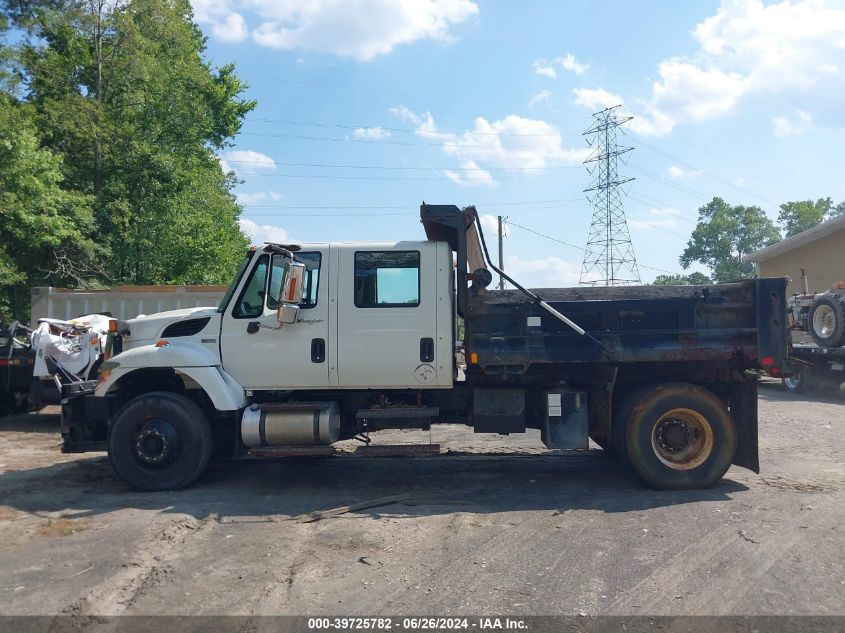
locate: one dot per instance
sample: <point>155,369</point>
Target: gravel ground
<point>503,528</point>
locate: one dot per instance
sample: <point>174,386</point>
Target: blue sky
<point>367,107</point>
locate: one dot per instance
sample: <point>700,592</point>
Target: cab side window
<point>250,303</point>
<point>387,279</point>
<point>311,281</point>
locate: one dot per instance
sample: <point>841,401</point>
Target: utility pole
<point>609,258</point>
<point>501,257</point>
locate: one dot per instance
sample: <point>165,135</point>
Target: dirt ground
<point>502,530</point>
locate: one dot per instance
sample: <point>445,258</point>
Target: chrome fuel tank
<point>291,424</point>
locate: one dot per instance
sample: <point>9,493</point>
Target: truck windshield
<point>231,290</point>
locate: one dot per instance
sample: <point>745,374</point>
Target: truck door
<point>387,316</point>
<point>264,356</point>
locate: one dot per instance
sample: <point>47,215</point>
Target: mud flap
<point>743,407</point>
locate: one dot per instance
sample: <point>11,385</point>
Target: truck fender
<point>185,358</point>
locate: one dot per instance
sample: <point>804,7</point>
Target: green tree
<point>45,228</point>
<point>123,91</point>
<point>799,216</point>
<point>724,234</point>
<point>693,279</point>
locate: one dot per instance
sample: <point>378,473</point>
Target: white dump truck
<point>316,343</point>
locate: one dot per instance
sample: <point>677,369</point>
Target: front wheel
<point>160,441</point>
<point>680,436</point>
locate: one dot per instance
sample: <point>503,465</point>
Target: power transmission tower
<point>609,257</point>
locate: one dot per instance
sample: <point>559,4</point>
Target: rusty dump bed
<point>738,322</point>
<point>718,328</point>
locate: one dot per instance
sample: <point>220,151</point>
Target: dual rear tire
<point>675,436</point>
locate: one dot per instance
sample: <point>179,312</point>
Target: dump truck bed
<point>737,323</point>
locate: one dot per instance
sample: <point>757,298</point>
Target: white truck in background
<point>119,302</point>
<point>71,327</point>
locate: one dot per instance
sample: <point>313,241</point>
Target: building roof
<point>796,241</point>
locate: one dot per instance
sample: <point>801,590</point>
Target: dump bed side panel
<point>736,323</point>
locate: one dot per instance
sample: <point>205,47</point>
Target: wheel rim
<point>682,439</point>
<point>156,443</point>
<point>792,382</point>
<point>824,321</point>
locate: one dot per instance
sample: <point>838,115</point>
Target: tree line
<point>726,233</point>
<point>111,118</point>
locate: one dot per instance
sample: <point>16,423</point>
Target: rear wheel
<point>827,321</point>
<point>160,441</point>
<point>680,436</point>
<point>801,382</point>
<point>620,423</point>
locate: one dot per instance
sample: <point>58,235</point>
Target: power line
<point>334,139</point>
<point>559,241</point>
<point>250,209</point>
<point>394,167</point>
<point>703,172</point>
<point>674,185</point>
<point>332,215</point>
<point>548,237</point>
<point>349,126</point>
<point>406,206</point>
<point>369,178</point>
<point>340,86</point>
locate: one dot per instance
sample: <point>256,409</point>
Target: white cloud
<point>544,96</point>
<point>490,227</point>
<point>248,199</point>
<point>471,175</point>
<point>246,162</point>
<point>513,142</point>
<point>679,173</point>
<point>544,272</point>
<point>361,30</point>
<point>543,68</point>
<point>596,98</point>
<point>260,233</point>
<point>568,62</point>
<point>656,218</point>
<point>783,126</point>
<point>794,50</point>
<point>370,133</point>
<point>226,24</point>
<point>424,122</point>
<point>686,92</point>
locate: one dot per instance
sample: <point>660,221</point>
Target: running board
<point>397,412</point>
<point>398,450</point>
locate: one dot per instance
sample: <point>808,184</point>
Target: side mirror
<point>292,289</point>
<point>291,293</point>
<point>287,313</point>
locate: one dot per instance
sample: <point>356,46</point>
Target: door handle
<point>252,327</point>
<point>318,350</point>
<point>426,350</point>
